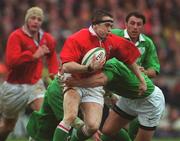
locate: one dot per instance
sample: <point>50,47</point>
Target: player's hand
<point>97,136</point>
<point>96,64</point>
<point>142,87</point>
<point>141,68</point>
<point>72,82</point>
<point>41,51</point>
<point>61,77</point>
<point>111,99</point>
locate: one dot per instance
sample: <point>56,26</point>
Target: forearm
<point>135,69</point>
<point>93,81</point>
<point>98,80</point>
<point>73,67</point>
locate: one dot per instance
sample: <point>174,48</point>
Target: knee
<point>92,128</point>
<point>69,119</point>
<point>8,126</point>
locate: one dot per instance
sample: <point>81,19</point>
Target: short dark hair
<point>137,15</point>
<point>98,15</point>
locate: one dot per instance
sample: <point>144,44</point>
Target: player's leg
<point>6,126</point>
<point>36,94</point>
<point>112,126</point>
<point>118,118</point>
<point>145,134</point>
<point>14,99</point>
<point>92,102</point>
<point>36,104</point>
<point>71,106</point>
<point>42,123</point>
<point>92,121</point>
<point>149,114</point>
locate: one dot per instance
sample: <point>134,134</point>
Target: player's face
<point>103,29</point>
<point>134,27</point>
<point>34,23</point>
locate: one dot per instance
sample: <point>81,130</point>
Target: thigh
<point>151,110</point>
<point>92,113</point>
<point>14,99</point>
<point>113,123</point>
<point>71,104</point>
<point>92,95</point>
<point>36,94</point>
<point>36,104</point>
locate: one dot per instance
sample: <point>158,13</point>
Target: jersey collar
<point>91,30</point>
<point>41,33</point>
<point>141,38</point>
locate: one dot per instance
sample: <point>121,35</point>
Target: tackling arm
<point>93,81</point>
<point>136,70</point>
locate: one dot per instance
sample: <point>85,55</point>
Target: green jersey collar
<point>141,38</point>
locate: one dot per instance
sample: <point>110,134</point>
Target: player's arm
<point>142,86</point>
<point>93,81</point>
<point>151,64</point>
<point>128,53</point>
<point>150,72</point>
<point>73,67</point>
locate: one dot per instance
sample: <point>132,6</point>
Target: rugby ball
<point>98,52</point>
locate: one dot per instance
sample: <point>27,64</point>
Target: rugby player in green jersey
<point>147,108</point>
<point>148,61</point>
<point>42,123</point>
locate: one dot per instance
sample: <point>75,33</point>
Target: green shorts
<point>42,124</point>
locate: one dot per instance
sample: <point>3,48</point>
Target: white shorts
<point>15,97</point>
<point>88,94</point>
<point>148,110</point>
<point>91,94</point>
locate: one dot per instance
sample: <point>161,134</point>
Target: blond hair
<point>34,11</point>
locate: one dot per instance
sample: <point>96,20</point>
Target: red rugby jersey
<point>78,44</point>
<point>22,68</point>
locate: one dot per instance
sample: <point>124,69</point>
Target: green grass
<point>170,139</point>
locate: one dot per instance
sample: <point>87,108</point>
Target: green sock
<point>122,135</point>
<point>78,135</point>
<point>133,128</point>
<point>60,135</point>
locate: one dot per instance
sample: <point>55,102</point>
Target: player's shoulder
<point>49,36</point>
<point>147,38</point>
<point>79,36</point>
<point>16,33</point>
<point>81,33</point>
<point>119,39</point>
<point>117,31</point>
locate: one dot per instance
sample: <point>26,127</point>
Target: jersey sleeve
<point>151,58</point>
<point>110,70</point>
<point>70,52</point>
<point>51,58</point>
<point>14,54</point>
<point>125,51</point>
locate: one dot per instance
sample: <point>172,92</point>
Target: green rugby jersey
<point>148,58</point>
<point>123,81</point>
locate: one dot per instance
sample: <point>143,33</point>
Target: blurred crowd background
<point>64,17</point>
